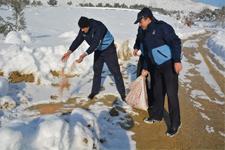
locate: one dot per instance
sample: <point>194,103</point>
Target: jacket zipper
<point>162,54</point>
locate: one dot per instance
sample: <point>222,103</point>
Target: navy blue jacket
<point>98,37</point>
<point>158,34</point>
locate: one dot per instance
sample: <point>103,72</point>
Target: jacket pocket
<point>162,54</point>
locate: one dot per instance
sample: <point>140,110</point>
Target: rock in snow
<point>6,102</point>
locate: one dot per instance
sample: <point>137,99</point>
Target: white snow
<point>204,72</point>
<point>199,94</point>
<point>7,143</point>
<point>185,73</point>
<point>40,48</point>
<point>209,129</point>
<point>202,95</point>
<point>204,116</point>
<point>197,104</point>
<point>14,37</point>
<point>190,44</point>
<point>217,44</point>
<point>187,32</point>
<point>222,133</point>
<point>184,5</point>
<point>82,129</point>
<point>222,71</point>
<point>4,86</point>
<point>6,102</point>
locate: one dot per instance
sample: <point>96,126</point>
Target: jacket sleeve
<point>98,37</point>
<point>76,43</point>
<point>137,41</point>
<point>145,64</point>
<point>138,45</point>
<point>144,57</point>
<point>173,41</point>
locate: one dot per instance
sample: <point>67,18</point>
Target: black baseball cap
<point>83,22</point>
<point>145,12</point>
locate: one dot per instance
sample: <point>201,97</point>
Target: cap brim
<point>137,21</point>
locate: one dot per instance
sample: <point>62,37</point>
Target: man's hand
<point>178,67</point>
<point>135,52</point>
<point>66,56</point>
<point>81,58</point>
<point>144,72</point>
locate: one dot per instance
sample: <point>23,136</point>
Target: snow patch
<point>6,102</point>
<point>202,95</point>
<point>204,72</point>
<point>4,86</point>
<point>14,37</point>
<point>186,71</point>
<point>216,43</point>
<point>12,139</point>
<point>222,133</point>
<point>190,44</point>
<point>184,5</point>
<point>209,129</point>
<point>40,61</point>
<point>199,94</point>
<point>204,116</point>
<point>82,129</point>
<point>197,105</point>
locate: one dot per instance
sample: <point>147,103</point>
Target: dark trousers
<point>108,56</point>
<point>165,81</point>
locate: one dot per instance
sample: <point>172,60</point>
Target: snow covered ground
<point>38,50</point>
<point>204,71</point>
<point>198,55</point>
<point>217,44</point>
<point>44,42</point>
<point>82,129</point>
<point>184,5</point>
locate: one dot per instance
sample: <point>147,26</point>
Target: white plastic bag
<point>137,97</point>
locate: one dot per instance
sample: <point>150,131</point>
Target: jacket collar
<point>152,24</point>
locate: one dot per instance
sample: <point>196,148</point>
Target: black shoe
<point>171,132</point>
<point>91,96</point>
<point>150,120</point>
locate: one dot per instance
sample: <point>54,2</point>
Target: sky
<point>218,3</point>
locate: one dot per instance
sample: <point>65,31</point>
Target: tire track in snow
<point>207,96</point>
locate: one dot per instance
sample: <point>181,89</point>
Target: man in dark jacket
<point>161,54</point>
<point>102,44</point>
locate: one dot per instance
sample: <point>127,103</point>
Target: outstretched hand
<point>66,56</point>
<point>81,58</point>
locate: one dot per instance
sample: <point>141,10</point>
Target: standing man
<point>102,44</point>
<point>161,52</point>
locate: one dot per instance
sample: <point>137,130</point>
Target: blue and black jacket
<point>98,37</point>
<point>158,43</point>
